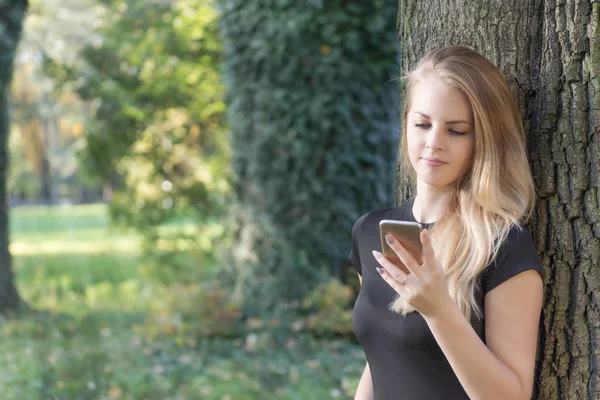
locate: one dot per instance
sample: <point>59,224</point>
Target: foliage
<point>23,179</point>
<point>330,304</point>
<point>191,311</point>
<point>314,120</point>
<point>58,29</point>
<point>162,103</point>
<point>99,357</point>
<point>157,132</point>
<point>47,124</point>
<point>45,136</point>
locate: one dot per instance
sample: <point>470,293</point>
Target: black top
<point>404,358</point>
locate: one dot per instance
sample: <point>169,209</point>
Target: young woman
<point>462,324</point>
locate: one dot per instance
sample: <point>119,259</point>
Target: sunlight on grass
<point>43,219</point>
<point>68,230</point>
<point>129,245</point>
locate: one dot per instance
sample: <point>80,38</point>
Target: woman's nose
<point>435,138</point>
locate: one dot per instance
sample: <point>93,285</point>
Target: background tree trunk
<point>550,53</point>
<point>45,170</point>
<point>314,120</point>
<point>12,13</point>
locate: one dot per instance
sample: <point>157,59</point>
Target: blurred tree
<point>12,13</point>
<point>550,54</point>
<point>314,120</point>
<point>157,131</point>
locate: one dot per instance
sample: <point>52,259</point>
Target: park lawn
<point>88,336</point>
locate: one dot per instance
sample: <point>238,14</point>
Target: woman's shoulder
<point>519,238</point>
<point>374,216</point>
<point>516,254</point>
<point>369,216</point>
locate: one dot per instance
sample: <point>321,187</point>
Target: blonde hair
<point>496,194</point>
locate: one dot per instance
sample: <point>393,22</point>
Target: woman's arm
<point>365,386</point>
<point>364,391</point>
<point>504,369</point>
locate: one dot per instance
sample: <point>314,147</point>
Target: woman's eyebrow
<point>448,122</point>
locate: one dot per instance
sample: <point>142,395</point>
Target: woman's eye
<point>455,132</point>
<point>422,126</point>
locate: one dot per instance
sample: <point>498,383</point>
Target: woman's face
<point>439,126</point>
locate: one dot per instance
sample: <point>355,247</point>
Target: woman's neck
<point>430,203</point>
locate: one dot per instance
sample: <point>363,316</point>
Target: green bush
<point>330,306</point>
<point>189,312</point>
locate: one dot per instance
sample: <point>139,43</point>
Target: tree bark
<point>12,13</point>
<point>550,54</point>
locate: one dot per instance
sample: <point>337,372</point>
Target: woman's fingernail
<point>376,254</point>
<point>380,270</point>
<point>389,239</point>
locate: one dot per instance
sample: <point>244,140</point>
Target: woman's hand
<point>425,286</point>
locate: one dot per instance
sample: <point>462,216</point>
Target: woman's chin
<point>438,182</point>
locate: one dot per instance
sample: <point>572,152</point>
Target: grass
<point>91,335</point>
<point>63,256</point>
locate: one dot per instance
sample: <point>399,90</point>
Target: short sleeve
<point>517,254</point>
<point>354,253</point>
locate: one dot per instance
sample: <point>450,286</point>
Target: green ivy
<point>313,109</point>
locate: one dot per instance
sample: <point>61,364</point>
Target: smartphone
<point>407,233</point>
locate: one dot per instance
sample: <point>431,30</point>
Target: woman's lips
<point>433,163</point>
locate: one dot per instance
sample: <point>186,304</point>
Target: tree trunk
<point>9,297</point>
<point>550,53</point>
<point>313,122</point>
<point>45,181</point>
<point>11,24</point>
<point>45,169</point>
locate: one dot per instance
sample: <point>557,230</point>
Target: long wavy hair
<point>496,194</point>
